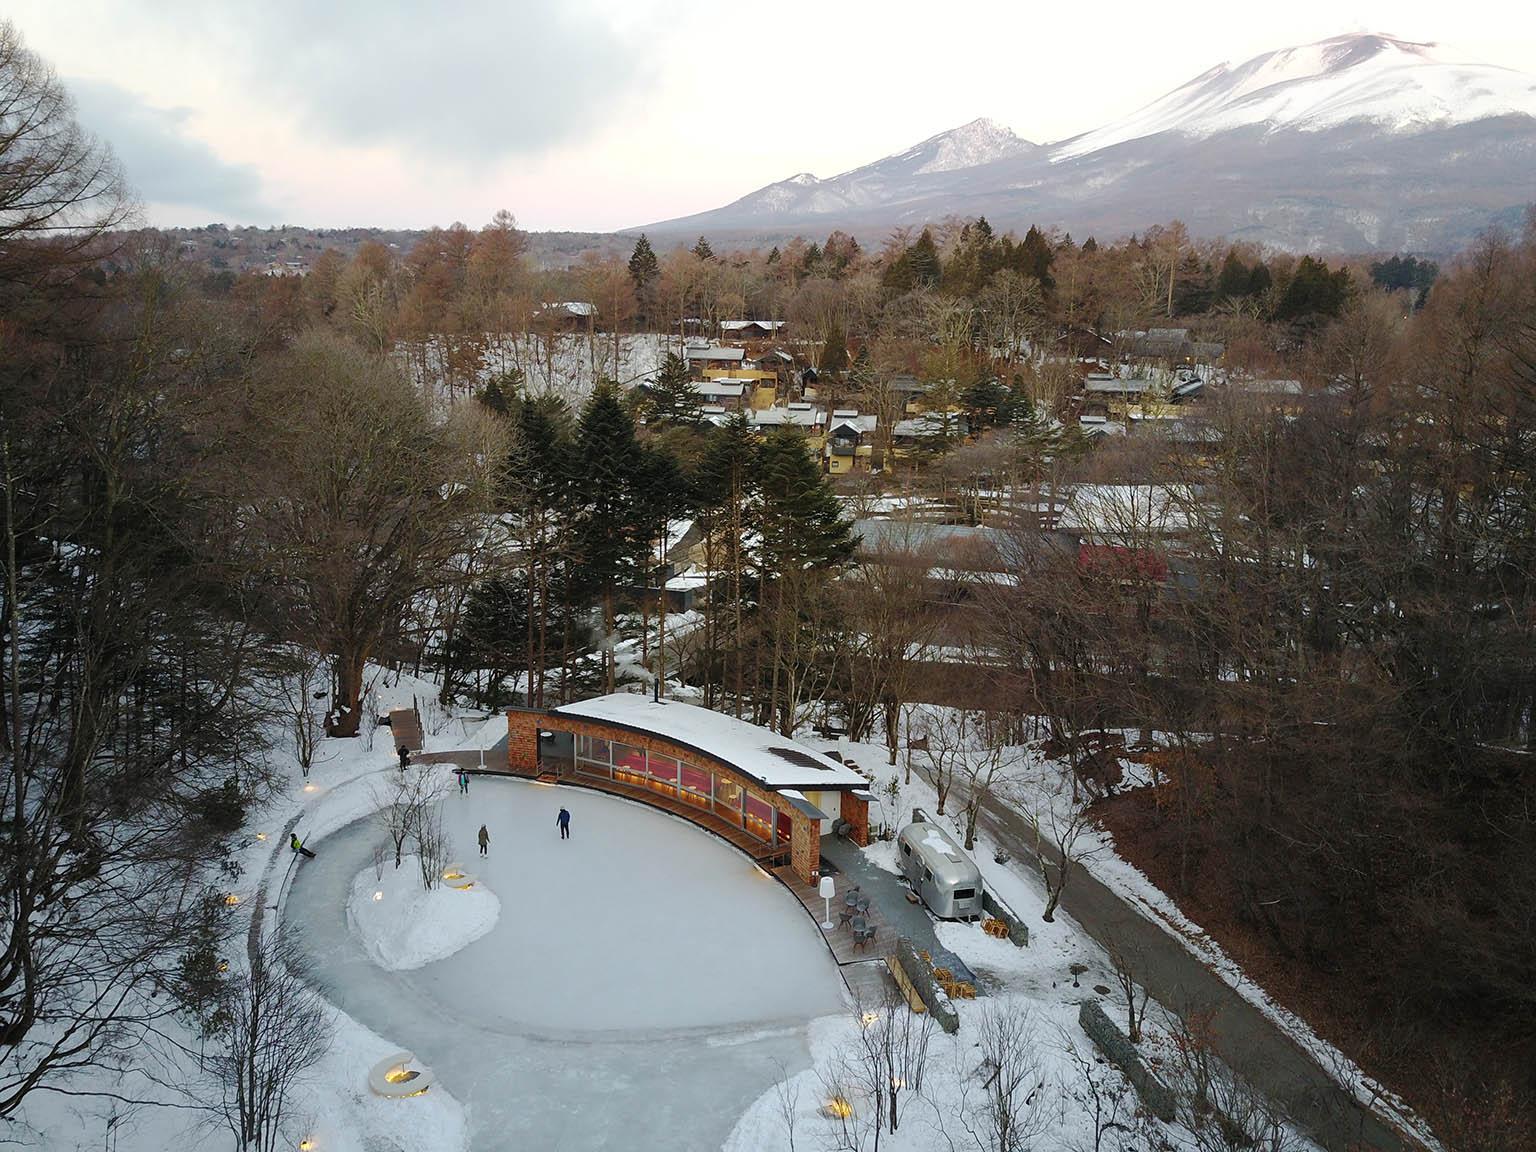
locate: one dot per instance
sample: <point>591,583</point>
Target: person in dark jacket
<point>405,757</point>
<point>298,847</point>
<point>564,821</point>
<point>485,841</point>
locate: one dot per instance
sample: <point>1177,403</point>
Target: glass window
<point>728,799</point>
<point>786,827</point>
<point>758,817</point>
<point>662,767</point>
<point>963,893</point>
<point>695,779</point>
<point>629,763</point>
<point>592,747</point>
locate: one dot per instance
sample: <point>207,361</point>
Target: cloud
<point>471,82</point>
<point>163,164</point>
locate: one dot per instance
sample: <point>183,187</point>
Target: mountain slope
<point>1355,143</point>
<point>1395,84</point>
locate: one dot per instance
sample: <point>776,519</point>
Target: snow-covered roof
<point>765,756</point>
<point>571,308</point>
<point>714,353</point>
<point>710,389</point>
<point>802,415</point>
<point>738,325</point>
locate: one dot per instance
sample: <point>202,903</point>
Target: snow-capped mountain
<point>1396,85</point>
<point>894,179</point>
<point>1356,143</point>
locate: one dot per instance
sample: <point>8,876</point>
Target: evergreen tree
<point>643,265</point>
<point>673,397</point>
<point>501,392</point>
<point>982,401</point>
<point>923,259</point>
<point>1233,281</point>
<point>604,462</point>
<point>702,250</point>
<point>834,353</point>
<point>773,255</point>
<point>723,488</point>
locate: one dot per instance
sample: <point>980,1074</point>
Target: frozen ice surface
<point>642,986</point>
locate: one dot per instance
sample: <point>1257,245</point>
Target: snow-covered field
<point>641,985</point>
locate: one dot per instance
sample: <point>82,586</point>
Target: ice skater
<point>463,782</point>
<point>485,841</point>
<point>564,820</point>
<point>298,846</point>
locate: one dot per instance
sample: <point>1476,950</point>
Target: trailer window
<point>963,893</point>
<point>907,849</point>
<point>927,875</point>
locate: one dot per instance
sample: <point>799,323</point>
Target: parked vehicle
<point>946,879</point>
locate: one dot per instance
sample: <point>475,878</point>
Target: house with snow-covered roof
<point>850,441</point>
<point>750,329</point>
<point>767,794</point>
<point>713,356</point>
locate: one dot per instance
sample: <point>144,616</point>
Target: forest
<point>211,479</point>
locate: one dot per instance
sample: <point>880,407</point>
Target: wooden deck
<point>840,937</point>
<point>405,729</point>
<point>740,837</point>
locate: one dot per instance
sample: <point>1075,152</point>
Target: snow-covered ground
<point>403,925</point>
<point>643,985</point>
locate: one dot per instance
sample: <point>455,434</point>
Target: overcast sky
<point>597,115</point>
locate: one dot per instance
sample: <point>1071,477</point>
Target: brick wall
<point>805,848</point>
<point>856,812</point>
<point>523,741</point>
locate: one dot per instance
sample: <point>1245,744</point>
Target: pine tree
<point>702,250</point>
<point>604,466</point>
<point>673,397</point>
<point>723,487</point>
<point>643,265</point>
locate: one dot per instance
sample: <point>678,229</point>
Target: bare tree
<point>1106,1096</point>
<point>296,693</point>
<point>1059,827</point>
<point>1222,1110</point>
<point>60,189</point>
<point>1129,962</point>
<point>889,1057</point>
<point>356,496</point>
<point>1016,1097</point>
<point>275,1027</point>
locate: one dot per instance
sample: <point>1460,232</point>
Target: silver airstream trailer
<point>945,877</point>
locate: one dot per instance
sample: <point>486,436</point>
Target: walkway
<point>887,890</point>
<point>405,729</point>
<point>1246,1039</point>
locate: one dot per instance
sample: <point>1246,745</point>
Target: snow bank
<point>402,925</point>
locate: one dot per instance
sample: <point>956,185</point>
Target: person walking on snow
<point>405,757</point>
<point>463,782</point>
<point>298,848</point>
<point>485,841</point>
<point>564,820</point>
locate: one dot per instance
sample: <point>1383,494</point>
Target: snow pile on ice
<point>402,925</point>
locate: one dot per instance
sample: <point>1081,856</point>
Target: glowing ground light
<point>305,1146</point>
<point>378,895</point>
<point>261,835</point>
<point>838,1106</point>
<point>869,1018</point>
<point>309,787</point>
<point>231,900</point>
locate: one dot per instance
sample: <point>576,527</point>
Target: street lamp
<point>828,890</point>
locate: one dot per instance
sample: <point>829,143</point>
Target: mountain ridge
<point>1310,132</point>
